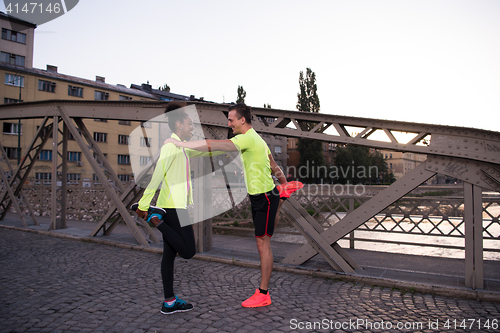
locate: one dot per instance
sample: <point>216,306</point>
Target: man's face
<point>234,123</point>
<point>187,129</point>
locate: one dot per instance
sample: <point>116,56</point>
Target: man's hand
<point>142,214</point>
<point>172,140</point>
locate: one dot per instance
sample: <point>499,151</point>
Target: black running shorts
<point>264,208</point>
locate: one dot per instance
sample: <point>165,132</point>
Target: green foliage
<point>241,95</point>
<point>359,165</point>
<point>311,212</point>
<point>311,151</point>
<point>165,88</point>
<point>311,157</point>
<point>308,100</point>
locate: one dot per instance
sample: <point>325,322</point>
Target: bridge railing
<point>414,220</point>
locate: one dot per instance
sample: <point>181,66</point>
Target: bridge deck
<point>444,276</point>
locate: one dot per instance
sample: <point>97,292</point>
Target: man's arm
<point>202,145</point>
<point>276,170</point>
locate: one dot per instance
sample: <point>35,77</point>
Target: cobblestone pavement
<point>49,284</point>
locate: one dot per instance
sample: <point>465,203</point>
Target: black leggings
<point>176,240</point>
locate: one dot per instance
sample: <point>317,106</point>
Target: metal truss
<point>20,175</point>
<point>18,200</point>
<point>468,154</point>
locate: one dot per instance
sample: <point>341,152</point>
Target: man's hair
<point>174,115</point>
<point>242,110</point>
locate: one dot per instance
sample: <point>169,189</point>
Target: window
<point>100,137</point>
<point>46,86</point>
<point>12,128</point>
<point>12,59</point>
<point>145,142</point>
<point>101,96</point>
<point>144,160</point>
<point>7,100</point>
<point>101,120</point>
<point>277,149</point>
<point>75,91</point>
<point>14,80</point>
<point>124,178</point>
<point>124,122</point>
<point>124,98</point>
<point>43,176</point>
<point>12,153</point>
<point>390,155</point>
<point>123,159</point>
<point>390,166</point>
<point>45,155</point>
<point>145,124</point>
<point>73,176</point>
<point>123,139</point>
<point>74,156</point>
<point>13,36</point>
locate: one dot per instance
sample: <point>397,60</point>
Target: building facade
<point>401,163</point>
<point>24,83</point>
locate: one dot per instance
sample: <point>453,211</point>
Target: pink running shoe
<point>258,299</point>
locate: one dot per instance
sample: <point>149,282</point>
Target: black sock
<point>262,291</point>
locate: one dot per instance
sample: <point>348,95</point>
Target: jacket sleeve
<point>164,163</point>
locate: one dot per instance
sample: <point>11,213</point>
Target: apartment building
<point>24,83</point>
<point>401,163</point>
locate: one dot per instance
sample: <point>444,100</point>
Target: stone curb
<point>457,292</point>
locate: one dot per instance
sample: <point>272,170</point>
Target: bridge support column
<point>474,274</point>
<point>202,195</point>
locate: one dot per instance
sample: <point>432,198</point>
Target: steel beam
<point>53,183</point>
<point>311,230</point>
<point>481,174</point>
<point>61,223</point>
<point>460,142</point>
<point>474,269</point>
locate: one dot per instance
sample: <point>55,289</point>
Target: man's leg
<point>276,219</point>
<point>264,209</point>
<point>266,260</point>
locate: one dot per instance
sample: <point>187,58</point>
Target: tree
<point>308,100</point>
<point>268,106</point>
<point>241,95</point>
<point>165,88</point>
<point>311,151</point>
<point>359,165</point>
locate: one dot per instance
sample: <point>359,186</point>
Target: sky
<point>425,61</point>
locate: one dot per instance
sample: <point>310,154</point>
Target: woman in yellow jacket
<point>172,219</point>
